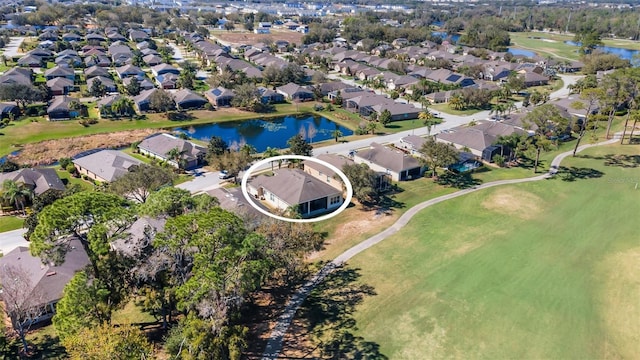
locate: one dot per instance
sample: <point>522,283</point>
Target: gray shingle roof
<point>294,186</point>
<point>46,279</point>
<point>333,159</point>
<point>37,179</point>
<point>161,144</point>
<point>108,164</point>
<point>393,160</point>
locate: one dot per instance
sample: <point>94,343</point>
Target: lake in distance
<point>263,133</point>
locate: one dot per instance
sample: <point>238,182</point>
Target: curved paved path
<point>274,345</point>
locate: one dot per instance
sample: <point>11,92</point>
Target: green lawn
<point>67,179</point>
<point>27,131</point>
<point>447,110</point>
<point>8,223</point>
<point>544,270</point>
<point>553,44</point>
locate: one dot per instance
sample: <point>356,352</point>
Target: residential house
<point>39,180</point>
<point>145,84</point>
<point>533,79</point>
<point>162,69</point>
<point>129,71</point>
<point>448,77</point>
<point>104,105</point>
<point>152,59</point>
<point>138,237</point>
<point>60,86</point>
<point>220,97</point>
<point>44,281</point>
<point>96,71</point>
<point>187,99</point>
<point>97,38</point>
<point>68,60</point>
<point>293,188</point>
<point>60,71</point>
<point>60,109</point>
<point>31,60</point>
<point>295,92</point>
<point>393,162</point>
<point>476,139</point>
<point>110,85</point>
<point>323,173</point>
<point>160,145</point>
<point>70,37</point>
<point>138,36</point>
<point>99,60</point>
<point>142,100</point>
<point>167,81</point>
<point>326,88</point>
<point>268,96</point>
<point>17,76</point>
<point>104,165</point>
<point>412,143</point>
<point>8,110</point>
<point>398,111</point>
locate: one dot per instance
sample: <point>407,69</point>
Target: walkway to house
<point>274,345</point>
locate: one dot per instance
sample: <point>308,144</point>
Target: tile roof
<point>393,160</point>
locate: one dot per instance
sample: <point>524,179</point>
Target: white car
<point>224,174</point>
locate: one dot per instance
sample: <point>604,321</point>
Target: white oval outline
<point>345,204</point>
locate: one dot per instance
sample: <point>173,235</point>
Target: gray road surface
<point>13,47</point>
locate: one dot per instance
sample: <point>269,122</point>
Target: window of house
<point>334,200</point>
<point>271,197</point>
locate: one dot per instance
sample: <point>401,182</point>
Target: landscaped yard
<point>538,270</point>
<point>8,223</point>
<point>445,108</point>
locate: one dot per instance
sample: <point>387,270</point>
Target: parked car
<point>224,174</point>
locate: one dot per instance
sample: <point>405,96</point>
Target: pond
<point>623,53</point>
<point>522,52</point>
<point>272,132</point>
<point>453,38</point>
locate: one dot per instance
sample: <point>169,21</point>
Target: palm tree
<point>248,149</point>
<point>336,134</point>
<point>456,102</point>
<point>511,106</point>
<point>176,155</point>
<point>123,106</point>
<point>16,193</point>
<point>429,120</point>
<point>372,126</point>
<point>498,109</point>
<point>270,152</point>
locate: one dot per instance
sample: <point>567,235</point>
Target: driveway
<point>202,181</point>
<point>12,239</point>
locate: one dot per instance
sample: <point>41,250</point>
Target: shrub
<point>208,107</point>
<point>65,162</point>
<point>499,160</point>
<point>70,168</point>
